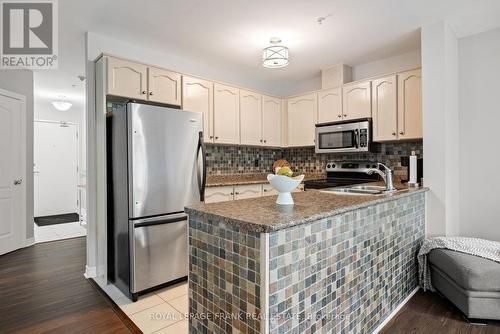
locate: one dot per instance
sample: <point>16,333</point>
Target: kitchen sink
<point>359,190</point>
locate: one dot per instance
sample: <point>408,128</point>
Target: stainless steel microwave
<point>344,136</point>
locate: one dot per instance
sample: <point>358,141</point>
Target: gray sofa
<point>471,283</point>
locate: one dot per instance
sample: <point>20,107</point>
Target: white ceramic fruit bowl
<point>284,185</point>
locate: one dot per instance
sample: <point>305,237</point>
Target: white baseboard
<point>90,272</point>
<point>393,313</point>
<point>29,242</point>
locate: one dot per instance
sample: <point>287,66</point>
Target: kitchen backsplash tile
<point>223,159</point>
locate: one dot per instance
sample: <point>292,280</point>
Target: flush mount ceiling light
<point>61,105</point>
<point>275,56</point>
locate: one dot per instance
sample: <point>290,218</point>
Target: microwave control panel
<point>363,137</point>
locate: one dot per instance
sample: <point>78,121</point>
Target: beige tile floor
<point>163,311</point>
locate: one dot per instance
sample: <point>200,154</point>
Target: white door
<point>12,172</point>
<point>55,168</point>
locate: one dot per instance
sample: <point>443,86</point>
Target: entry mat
<point>57,219</point>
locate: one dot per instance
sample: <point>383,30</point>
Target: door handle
<point>202,179</point>
<point>18,182</point>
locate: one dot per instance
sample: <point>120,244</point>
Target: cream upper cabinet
<point>219,194</point>
<point>330,105</point>
<point>356,100</point>
<point>385,108</point>
<point>271,121</point>
<point>226,114</point>
<point>164,86</point>
<point>247,191</point>
<point>197,95</point>
<point>250,118</point>
<point>302,112</point>
<point>410,105</point>
<point>126,78</point>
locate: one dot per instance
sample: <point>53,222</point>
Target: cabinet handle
<point>211,137</point>
<point>340,116</point>
<point>401,133</point>
<point>265,141</point>
<point>345,115</point>
<point>216,137</point>
<point>261,140</point>
<point>265,190</point>
<point>151,93</point>
<point>143,92</point>
<point>232,194</point>
<point>394,133</point>
<point>237,193</point>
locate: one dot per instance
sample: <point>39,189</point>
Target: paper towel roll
<point>413,169</point>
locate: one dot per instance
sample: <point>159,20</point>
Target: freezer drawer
<point>159,252</point>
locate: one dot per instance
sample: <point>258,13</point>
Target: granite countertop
<point>240,179</point>
<point>262,214</point>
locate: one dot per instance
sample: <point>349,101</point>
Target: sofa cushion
<point>468,271</point>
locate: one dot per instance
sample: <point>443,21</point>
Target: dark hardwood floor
<point>429,313</point>
<point>42,290</point>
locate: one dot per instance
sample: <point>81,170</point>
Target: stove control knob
<point>328,166</point>
<point>333,166</point>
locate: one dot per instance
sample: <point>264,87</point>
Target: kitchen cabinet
<point>410,105</point>
<point>268,190</point>
<point>302,113</point>
<point>226,114</point>
<point>164,86</point>
<point>330,105</point>
<point>126,79</point>
<point>219,194</point>
<point>250,118</point>
<point>356,100</point>
<point>385,100</point>
<point>197,95</point>
<point>247,191</point>
<point>271,121</point>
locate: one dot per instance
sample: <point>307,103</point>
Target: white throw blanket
<point>479,247</point>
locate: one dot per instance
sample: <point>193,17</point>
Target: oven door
<point>338,138</point>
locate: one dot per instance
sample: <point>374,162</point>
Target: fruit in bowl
<point>285,171</point>
<point>284,185</point>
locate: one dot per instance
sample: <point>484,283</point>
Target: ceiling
<point>230,34</point>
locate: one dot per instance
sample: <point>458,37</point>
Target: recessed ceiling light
<point>275,56</point>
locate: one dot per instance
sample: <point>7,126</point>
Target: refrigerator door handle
<point>202,174</point>
<point>159,220</point>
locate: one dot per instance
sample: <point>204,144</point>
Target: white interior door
<point>12,172</point>
<point>55,168</point>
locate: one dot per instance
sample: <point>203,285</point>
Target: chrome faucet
<point>387,175</point>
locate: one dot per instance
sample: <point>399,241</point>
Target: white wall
<point>21,82</point>
<point>479,88</point>
<point>440,116</point>
<point>397,63</point>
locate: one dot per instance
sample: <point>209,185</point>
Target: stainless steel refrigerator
<point>155,167</point>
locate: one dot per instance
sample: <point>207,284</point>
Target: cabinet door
<point>356,100</point>
<point>271,121</point>
<point>218,194</point>
<point>384,109</point>
<point>247,191</point>
<point>250,118</point>
<point>226,114</point>
<point>164,86</point>
<point>302,112</point>
<point>330,105</point>
<point>410,105</point>
<point>268,190</point>
<point>126,79</point>
<point>197,95</point>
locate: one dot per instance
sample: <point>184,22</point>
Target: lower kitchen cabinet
<point>247,191</point>
<point>219,194</point>
<point>268,190</point>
